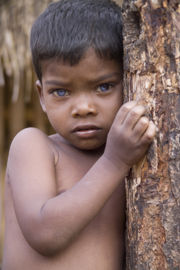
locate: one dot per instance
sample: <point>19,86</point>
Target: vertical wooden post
<point>1,113</point>
<point>1,150</point>
<point>152,76</point>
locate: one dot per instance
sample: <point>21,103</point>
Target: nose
<point>84,107</point>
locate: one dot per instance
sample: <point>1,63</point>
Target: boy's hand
<point>130,135</point>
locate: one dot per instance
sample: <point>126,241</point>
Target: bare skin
<point>65,198</point>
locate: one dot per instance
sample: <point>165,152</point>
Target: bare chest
<point>72,167</point>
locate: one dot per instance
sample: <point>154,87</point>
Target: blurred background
<point>19,104</point>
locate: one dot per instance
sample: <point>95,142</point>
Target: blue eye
<point>104,87</point>
<point>60,92</point>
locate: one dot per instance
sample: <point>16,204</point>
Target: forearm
<point>68,214</point>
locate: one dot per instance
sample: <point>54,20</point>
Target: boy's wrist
<point>119,167</point>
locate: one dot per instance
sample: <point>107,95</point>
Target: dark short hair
<point>67,28</point>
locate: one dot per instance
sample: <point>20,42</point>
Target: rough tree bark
<point>152,76</point>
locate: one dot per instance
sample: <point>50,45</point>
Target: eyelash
<point>66,92</point>
<point>55,92</point>
<point>109,86</point>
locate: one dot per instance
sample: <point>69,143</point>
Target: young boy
<point>65,198</point>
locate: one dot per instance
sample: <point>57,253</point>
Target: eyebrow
<point>55,82</point>
<point>108,76</point>
<point>97,80</point>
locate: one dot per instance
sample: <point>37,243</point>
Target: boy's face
<point>81,101</point>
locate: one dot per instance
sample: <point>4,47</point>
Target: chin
<point>90,146</point>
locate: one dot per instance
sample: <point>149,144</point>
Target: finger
<point>134,115</point>
<point>124,110</point>
<point>140,128</point>
<point>149,134</point>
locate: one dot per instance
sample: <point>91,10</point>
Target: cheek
<point>111,112</point>
<point>117,102</point>
<point>120,97</point>
<point>55,118</point>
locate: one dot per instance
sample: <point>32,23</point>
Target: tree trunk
<point>152,77</point>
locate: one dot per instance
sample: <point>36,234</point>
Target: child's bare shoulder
<point>31,142</point>
<point>29,137</point>
<point>28,132</point>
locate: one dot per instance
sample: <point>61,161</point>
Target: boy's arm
<point>49,222</point>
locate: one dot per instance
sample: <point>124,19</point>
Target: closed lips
<point>85,128</point>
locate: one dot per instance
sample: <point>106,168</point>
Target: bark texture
<point>152,76</point>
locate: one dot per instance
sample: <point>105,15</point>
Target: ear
<point>40,94</point>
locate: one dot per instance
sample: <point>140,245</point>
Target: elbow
<point>46,249</point>
<point>47,244</point>
<point>46,237</point>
